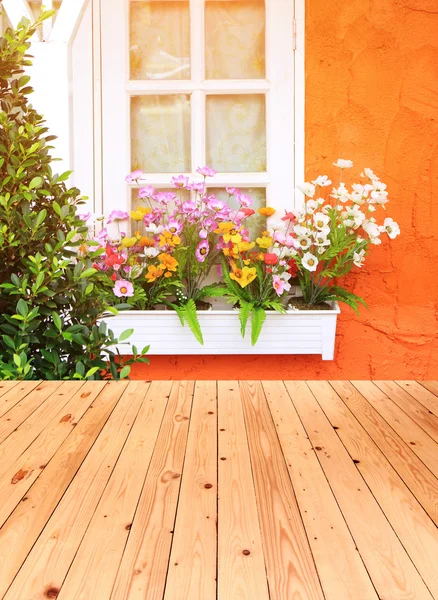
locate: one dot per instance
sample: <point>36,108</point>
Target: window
<point>192,82</point>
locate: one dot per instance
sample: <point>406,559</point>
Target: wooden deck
<point>205,490</point>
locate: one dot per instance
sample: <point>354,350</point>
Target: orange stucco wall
<point>371,96</point>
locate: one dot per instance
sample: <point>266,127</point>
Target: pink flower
<point>232,191</point>
<point>146,192</point>
<point>84,216</point>
<point>278,285</point>
<point>244,199</point>
<point>216,205</point>
<point>123,288</point>
<point>174,226</point>
<point>289,216</point>
<point>202,251</point>
<point>132,177</point>
<point>118,215</point>
<point>246,212</point>
<point>180,182</point>
<point>188,207</point>
<point>197,186</point>
<point>164,197</point>
<point>206,171</point>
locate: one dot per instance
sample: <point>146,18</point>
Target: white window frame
<point>283,86</point>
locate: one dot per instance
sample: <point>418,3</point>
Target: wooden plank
<point>14,395</point>
<point>387,562</point>
<point>23,527</point>
<point>289,562</point>
<point>25,407</point>
<point>94,568</point>
<point>26,432</point>
<point>422,445</point>
<point>47,564</point>
<point>417,412</point>
<point>21,474</point>
<point>411,469</point>
<point>425,396</point>
<point>432,386</point>
<point>241,564</point>
<point>6,386</point>
<point>192,565</point>
<point>341,570</point>
<point>414,528</point>
<point>142,573</point>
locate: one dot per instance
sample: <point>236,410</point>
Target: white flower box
<point>297,332</point>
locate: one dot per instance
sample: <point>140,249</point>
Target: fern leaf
<point>213,291</point>
<point>244,312</point>
<point>179,311</point>
<point>191,318</point>
<point>258,318</point>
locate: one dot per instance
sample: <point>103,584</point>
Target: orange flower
<point>267,211</point>
<point>169,239</point>
<point>168,262</point>
<point>146,242</point>
<point>153,273</point>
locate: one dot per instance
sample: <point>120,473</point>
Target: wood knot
<point>85,394</point>
<point>318,448</point>
<point>413,443</point>
<point>52,592</point>
<point>223,458</point>
<point>208,486</point>
<point>356,462</point>
<point>19,476</point>
<point>180,418</point>
<point>246,552</point>
<point>210,412</point>
<point>65,418</point>
<point>169,475</point>
<point>137,571</point>
<point>221,429</point>
<point>128,527</point>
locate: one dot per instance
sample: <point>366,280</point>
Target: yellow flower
<point>168,262</point>
<point>244,276</point>
<point>267,211</point>
<point>229,232</point>
<point>245,246</point>
<point>128,242</point>
<point>265,242</point>
<point>153,273</point>
<point>167,274</point>
<point>169,239</point>
<point>137,215</point>
<point>231,252</point>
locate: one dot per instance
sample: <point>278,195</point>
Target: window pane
<point>160,133</point>
<point>236,133</point>
<point>235,39</point>
<point>160,39</point>
<point>257,223</point>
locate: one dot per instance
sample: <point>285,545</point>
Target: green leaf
<point>125,372</point>
<point>57,321</point>
<point>91,372</point>
<point>244,313</point>
<point>40,217</point>
<point>258,318</point>
<point>35,183</point>
<point>17,360</point>
<point>88,273</point>
<point>22,308</point>
<point>191,318</point>
<point>125,334</point>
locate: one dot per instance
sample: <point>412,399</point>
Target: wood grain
<point>142,572</point>
<point>14,394</point>
<point>411,469</point>
<point>241,563</point>
<point>25,433</point>
<point>25,524</point>
<point>431,386</point>
<point>390,568</point>
<point>341,570</point>
<point>422,445</point>
<point>48,562</point>
<point>192,564</point>
<point>95,565</point>
<point>414,528</point>
<point>418,413</point>
<point>6,386</point>
<point>425,396</point>
<point>289,562</point>
<point>25,407</point>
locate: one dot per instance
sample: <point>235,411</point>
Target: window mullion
<point>197,37</point>
<point>198,129</point>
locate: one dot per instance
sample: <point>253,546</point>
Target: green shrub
<point>50,300</point>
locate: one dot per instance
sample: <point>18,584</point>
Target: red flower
<point>113,277</point>
<point>270,259</point>
<point>289,216</point>
<point>293,268</point>
<point>246,211</point>
<point>114,260</point>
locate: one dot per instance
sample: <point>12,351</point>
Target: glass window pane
<point>159,39</point>
<point>235,39</point>
<point>257,223</point>
<point>236,133</point>
<point>160,133</point>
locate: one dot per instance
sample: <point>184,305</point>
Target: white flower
<point>391,227</point>
<point>340,193</point>
<point>301,230</point>
<point>359,258</point>
<point>371,208</point>
<point>322,181</point>
<point>378,194</point>
<point>285,276</point>
<point>151,252</point>
<point>304,242</point>
<point>355,215</point>
<point>321,220</point>
<point>321,249</point>
<point>321,240</point>
<point>372,230</point>
<point>343,163</point>
<point>307,188</point>
<point>309,261</point>
<point>155,229</point>
<point>288,252</point>
<point>311,206</point>
<point>276,225</point>
<point>370,174</point>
